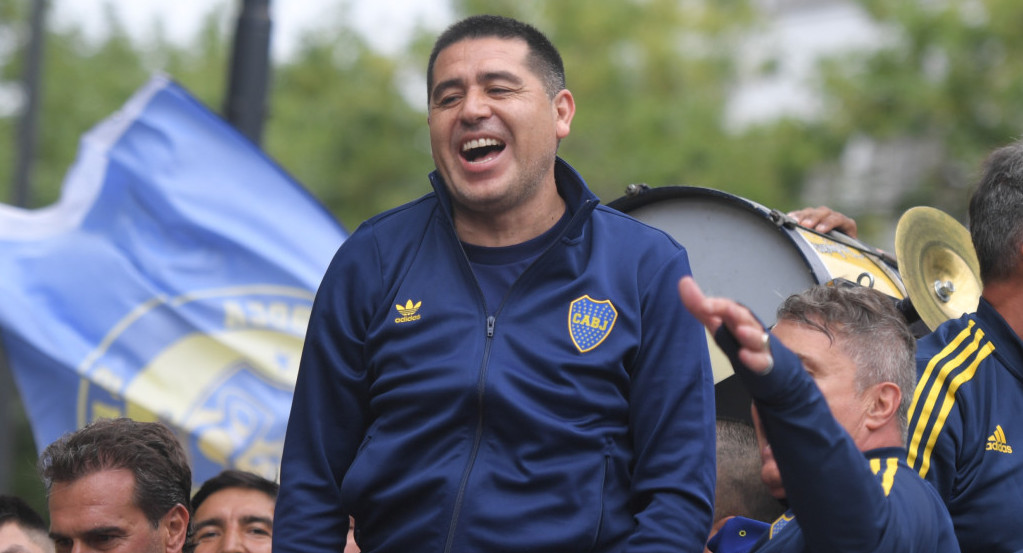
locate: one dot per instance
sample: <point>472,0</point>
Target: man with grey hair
<point>832,434</point>
<point>965,431</point>
<point>22,530</point>
<point>118,485</point>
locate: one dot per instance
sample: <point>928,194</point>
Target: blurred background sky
<point>385,23</point>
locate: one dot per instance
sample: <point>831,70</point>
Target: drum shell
<point>742,250</point>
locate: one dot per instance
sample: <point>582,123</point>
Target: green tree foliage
<point>651,79</point>
<point>342,125</point>
<point>72,98</point>
<point>948,74</point>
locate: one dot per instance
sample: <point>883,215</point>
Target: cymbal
<point>938,265</point>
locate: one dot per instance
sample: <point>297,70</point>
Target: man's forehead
<point>235,502</point>
<point>103,499</point>
<point>493,50</point>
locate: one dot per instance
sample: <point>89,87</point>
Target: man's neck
<point>1007,298</point>
<point>886,436</point>
<point>512,227</point>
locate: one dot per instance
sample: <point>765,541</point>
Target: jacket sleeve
<point>672,421</point>
<point>829,484</point>
<point>329,411</point>
<point>935,421</point>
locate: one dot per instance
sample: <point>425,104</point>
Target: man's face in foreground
<point>834,372</point>
<point>494,129</point>
<point>234,519</point>
<point>14,539</point>
<point>97,512</point>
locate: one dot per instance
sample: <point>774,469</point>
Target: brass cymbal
<point>938,265</point>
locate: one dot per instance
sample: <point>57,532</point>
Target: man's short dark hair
<point>149,450</point>
<point>544,59</point>
<point>231,479</point>
<point>996,214</point>
<point>740,491</point>
<point>14,510</point>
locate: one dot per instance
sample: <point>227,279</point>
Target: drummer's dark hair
<point>866,326</point>
<point>149,450</point>
<point>234,479</point>
<point>544,59</point>
<point>15,511</point>
<point>996,214</point>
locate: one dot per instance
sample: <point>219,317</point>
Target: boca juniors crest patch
<point>590,321</point>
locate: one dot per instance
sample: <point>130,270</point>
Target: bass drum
<point>742,250</point>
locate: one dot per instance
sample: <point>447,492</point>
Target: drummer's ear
<point>882,405</point>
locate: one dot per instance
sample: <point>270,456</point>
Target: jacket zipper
<point>480,386</point>
<point>481,382</point>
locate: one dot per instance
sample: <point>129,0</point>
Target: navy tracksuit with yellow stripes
<point>966,427</point>
<point>843,502</point>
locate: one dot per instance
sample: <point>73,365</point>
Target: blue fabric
<point>497,268</point>
<point>837,498</point>
<point>737,535</point>
<point>173,281</point>
<point>967,407</point>
<point>579,418</point>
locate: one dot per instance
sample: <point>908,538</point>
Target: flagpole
<point>245,105</point>
<point>27,135</point>
<point>21,196</point>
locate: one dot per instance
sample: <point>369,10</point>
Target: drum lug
<point>636,189</point>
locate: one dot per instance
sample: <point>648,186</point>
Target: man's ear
<point>564,108</point>
<point>175,526</point>
<point>883,405</point>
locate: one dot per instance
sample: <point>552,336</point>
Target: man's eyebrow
<point>482,78</point>
<point>105,531</point>
<point>213,521</point>
<point>499,76</point>
<point>256,519</point>
<point>444,85</point>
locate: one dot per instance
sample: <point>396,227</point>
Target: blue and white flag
<point>172,281</point>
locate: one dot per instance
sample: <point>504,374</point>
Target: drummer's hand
<point>824,219</point>
<point>713,312</point>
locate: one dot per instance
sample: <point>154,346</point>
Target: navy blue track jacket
<point>579,417</point>
<point>966,426</point>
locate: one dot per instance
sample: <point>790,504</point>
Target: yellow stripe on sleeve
<point>935,387</point>
<point>946,405</point>
<point>888,479</point>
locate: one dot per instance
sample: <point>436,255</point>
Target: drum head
<point>735,249</point>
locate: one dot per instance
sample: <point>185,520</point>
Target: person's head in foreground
<point>860,352</point>
<point>22,530</point>
<point>234,511</point>
<point>118,485</point>
<point>498,108</point>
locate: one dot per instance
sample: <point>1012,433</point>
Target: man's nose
<point>233,543</point>
<point>476,105</point>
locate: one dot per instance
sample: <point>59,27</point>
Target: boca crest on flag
<point>172,281</point>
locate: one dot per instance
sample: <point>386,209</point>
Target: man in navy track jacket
<point>501,365</point>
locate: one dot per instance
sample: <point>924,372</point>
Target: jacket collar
<point>1008,346</point>
<point>579,200</point>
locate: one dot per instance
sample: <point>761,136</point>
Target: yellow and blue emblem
<point>779,524</point>
<point>590,321</point>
